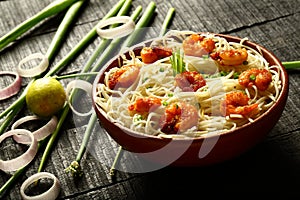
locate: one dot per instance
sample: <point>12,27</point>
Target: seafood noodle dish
<point>188,84</point>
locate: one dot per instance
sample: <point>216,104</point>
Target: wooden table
<point>271,168</point>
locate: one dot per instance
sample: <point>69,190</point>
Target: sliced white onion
<point>40,68</point>
<point>126,28</point>
<point>24,159</point>
<point>13,88</point>
<point>79,84</point>
<point>51,194</point>
<point>39,134</point>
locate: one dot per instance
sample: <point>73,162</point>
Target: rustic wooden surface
<point>271,168</point>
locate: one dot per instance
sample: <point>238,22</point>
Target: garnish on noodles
<point>187,84</point>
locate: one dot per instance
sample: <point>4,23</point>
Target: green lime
<point>45,97</point>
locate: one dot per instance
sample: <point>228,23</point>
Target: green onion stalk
<point>145,19</point>
<point>177,62</point>
<point>101,47</point>
<point>92,34</point>
<point>19,103</point>
<point>123,7</point>
<point>52,9</point>
<point>60,34</point>
<point>53,48</point>
<point>291,65</point>
<point>75,168</point>
<point>16,106</point>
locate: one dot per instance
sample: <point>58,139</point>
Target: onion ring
<point>80,84</point>
<point>24,159</point>
<point>39,134</point>
<point>13,88</point>
<point>51,194</point>
<point>120,31</point>
<point>35,70</point>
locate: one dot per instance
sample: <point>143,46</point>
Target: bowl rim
<point>282,95</point>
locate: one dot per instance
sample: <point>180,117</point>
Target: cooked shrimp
<point>179,117</point>
<point>237,103</point>
<point>123,77</point>
<point>190,81</point>
<point>197,45</point>
<point>144,105</point>
<point>261,78</point>
<point>152,54</point>
<point>230,57</point>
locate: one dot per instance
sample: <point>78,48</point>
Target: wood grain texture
<point>271,168</point>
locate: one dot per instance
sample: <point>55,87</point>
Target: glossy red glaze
<point>224,147</point>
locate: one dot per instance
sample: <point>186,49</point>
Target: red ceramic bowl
<point>203,150</point>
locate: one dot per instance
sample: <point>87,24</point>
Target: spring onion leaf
<point>88,74</point>
<point>167,21</point>
<point>63,28</point>
<point>145,19</point>
<point>252,77</point>
<point>75,168</point>
<point>116,162</point>
<point>52,9</point>
<point>19,103</point>
<point>290,65</point>
<point>177,62</point>
<point>66,60</point>
<point>66,108</point>
<point>84,42</point>
<point>236,75</point>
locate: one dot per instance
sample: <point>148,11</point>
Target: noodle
<point>157,80</point>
